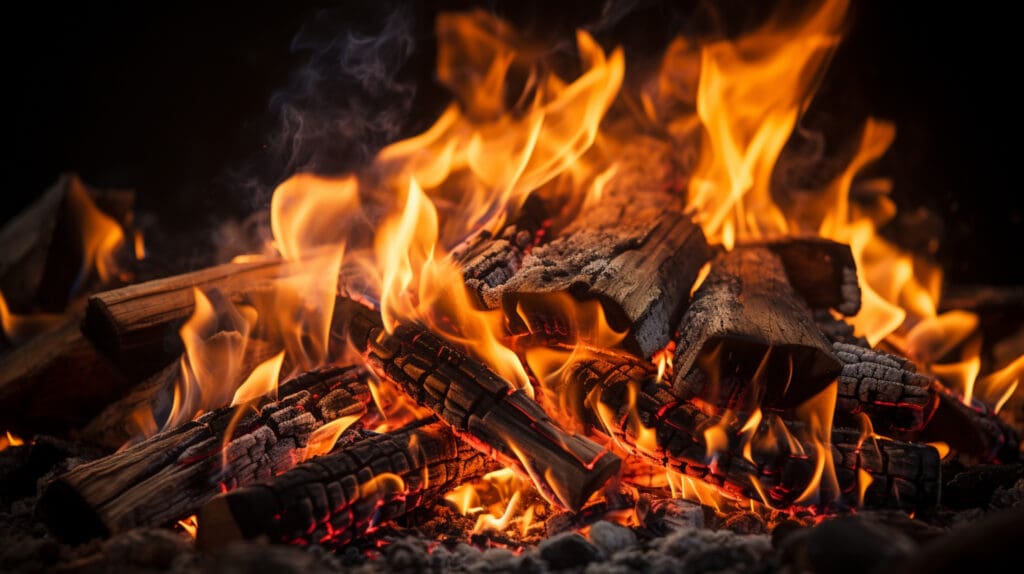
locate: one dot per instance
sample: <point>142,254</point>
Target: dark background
<point>178,101</point>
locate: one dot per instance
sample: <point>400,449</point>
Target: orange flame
<point>817,412</point>
<point>8,440</point>
<point>261,381</point>
<point>101,236</point>
<point>18,328</point>
<point>190,525</point>
<point>323,439</point>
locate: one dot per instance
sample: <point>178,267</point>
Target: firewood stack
<point>753,344</point>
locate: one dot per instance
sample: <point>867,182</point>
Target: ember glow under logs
<point>590,284</point>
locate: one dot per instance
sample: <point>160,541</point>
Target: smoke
<point>348,99</point>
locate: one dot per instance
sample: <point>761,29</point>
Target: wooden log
<point>489,260</point>
<point>887,388</point>
<point>636,253</point>
<point>56,382</point>
<point>657,425</point>
<point>483,408</point>
<point>972,431</point>
<point>836,330</point>
<point>136,326</point>
<point>749,340</point>
<point>171,474</point>
<point>339,496</point>
<point>822,271</point>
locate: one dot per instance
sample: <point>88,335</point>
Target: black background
<point>172,99</point>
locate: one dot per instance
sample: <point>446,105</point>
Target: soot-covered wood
<point>973,431</point>
<point>886,388</point>
<point>339,496</point>
<point>636,253</point>
<point>170,475</point>
<point>748,339</point>
<point>136,326</point>
<point>903,475</point>
<point>483,408</point>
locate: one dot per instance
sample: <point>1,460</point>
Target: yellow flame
<point>817,413</point>
<point>262,381</point>
<point>996,388</point>
<point>323,439</point>
<point>190,525</point>
<point>864,480</point>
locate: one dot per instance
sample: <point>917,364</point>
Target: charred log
<point>136,326</point>
<point>488,261</point>
<point>822,271</point>
<point>339,496</point>
<point>885,387</point>
<point>636,253</point>
<point>483,408</point>
<point>171,474</point>
<point>971,430</point>
<point>837,330</point>
<point>646,418</point>
<point>748,339</point>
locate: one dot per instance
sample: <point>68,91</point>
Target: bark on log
<point>170,475</point>
<point>339,496</point>
<point>971,431</point>
<point>636,253</point>
<point>483,408</point>
<point>822,271</point>
<point>56,382</point>
<point>904,475</point>
<point>749,340</point>
<point>136,326</point>
<point>489,261</point>
<point>885,387</point>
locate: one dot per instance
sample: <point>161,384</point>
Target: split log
<point>822,271</point>
<point>339,496</point>
<point>657,425</point>
<point>483,408</point>
<point>136,326</point>
<point>56,382</point>
<point>885,387</point>
<point>488,261</point>
<point>170,475</point>
<point>636,253</point>
<point>749,340</point>
<point>971,430</point>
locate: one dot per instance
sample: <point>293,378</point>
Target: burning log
<point>56,382</point>
<point>344,494</point>
<point>646,418</point>
<point>885,387</point>
<point>170,475</point>
<point>136,326</point>
<point>489,261</point>
<point>822,271</point>
<point>483,408</point>
<point>748,339</point>
<point>636,253</point>
<point>971,430</point>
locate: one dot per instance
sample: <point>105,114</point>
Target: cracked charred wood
<point>489,260</point>
<point>341,495</point>
<point>646,418</point>
<point>636,253</point>
<point>885,387</point>
<point>838,331</point>
<point>136,326</point>
<point>56,382</point>
<point>170,475</point>
<point>483,408</point>
<point>749,340</point>
<point>822,271</point>
<point>971,430</point>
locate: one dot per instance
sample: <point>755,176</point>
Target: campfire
<point>585,315</point>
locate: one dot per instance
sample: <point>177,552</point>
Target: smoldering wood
<point>120,421</point>
<point>748,339</point>
<point>483,408</point>
<point>903,475</point>
<point>41,251</point>
<point>822,271</point>
<point>489,260</point>
<point>886,388</point>
<point>637,253</point>
<point>136,326</point>
<point>170,475</point>
<point>56,382</point>
<point>339,496</point>
<point>972,431</point>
